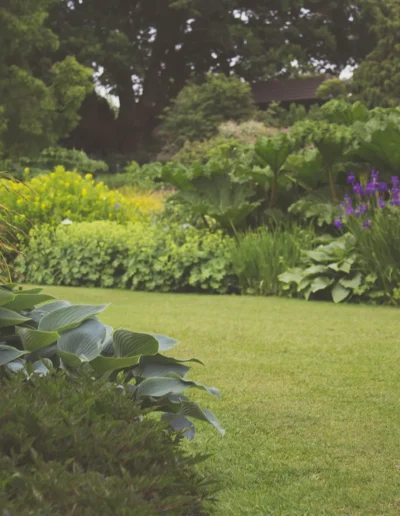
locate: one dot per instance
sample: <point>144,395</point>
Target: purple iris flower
<point>367,224</point>
<point>395,200</point>
<point>358,189</point>
<point>362,209</point>
<point>349,210</point>
<point>338,223</point>
<point>351,178</point>
<point>395,181</point>
<point>382,186</point>
<point>374,176</point>
<point>381,203</point>
<point>370,189</point>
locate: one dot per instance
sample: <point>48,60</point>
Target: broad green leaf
<point>320,283</point>
<point>159,365</point>
<point>180,423</point>
<point>103,365</point>
<point>339,293</point>
<point>164,343</point>
<point>352,283</point>
<point>84,342</point>
<point>9,354</point>
<point>129,344</point>
<point>16,366</point>
<point>42,367</point>
<point>27,301</point>
<point>70,360</point>
<point>11,318</point>
<point>158,386</point>
<point>316,269</point>
<point>191,409</point>
<point>69,317</point>
<point>35,339</point>
<point>5,296</point>
<point>291,276</point>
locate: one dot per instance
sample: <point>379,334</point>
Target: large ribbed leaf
<point>11,318</point>
<point>35,339</point>
<point>8,354</point>
<point>159,365</point>
<point>164,343</point>
<point>38,313</point>
<point>180,423</point>
<point>83,342</point>
<point>129,344</point>
<point>27,301</point>
<point>69,317</point>
<point>5,296</point>
<point>103,365</point>
<point>158,386</point>
<point>190,409</point>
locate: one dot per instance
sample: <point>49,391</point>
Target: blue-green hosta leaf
<point>130,344</point>
<point>320,283</point>
<point>292,276</point>
<point>35,339</point>
<point>158,387</point>
<point>316,269</point>
<point>16,366</point>
<point>191,409</point>
<point>6,296</point>
<point>339,293</point>
<point>11,318</point>
<point>69,317</point>
<point>42,367</point>
<point>159,365</point>
<point>180,423</point>
<point>102,365</point>
<point>27,301</point>
<point>352,283</point>
<point>38,313</point>
<point>9,354</point>
<point>83,342</point>
<point>164,343</point>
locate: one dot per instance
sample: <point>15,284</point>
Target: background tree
<point>144,51</point>
<point>377,80</point>
<point>39,99</point>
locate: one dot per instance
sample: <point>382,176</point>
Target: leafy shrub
<point>246,132</point>
<point>203,151</point>
<point>70,444</point>
<point>52,157</point>
<point>137,257</point>
<point>70,337</point>
<point>51,198</point>
<point>146,202</point>
<point>329,270</point>
<point>145,177</point>
<point>259,258</point>
<point>200,108</point>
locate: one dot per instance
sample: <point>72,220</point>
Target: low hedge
<point>74,446</point>
<point>138,257</point>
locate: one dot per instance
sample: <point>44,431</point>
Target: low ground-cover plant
<point>331,270</point>
<point>138,257</point>
<point>145,177</point>
<point>70,445</point>
<point>37,338</point>
<point>259,257</point>
<point>51,198</point>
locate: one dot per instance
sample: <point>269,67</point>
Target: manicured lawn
<point>311,397</point>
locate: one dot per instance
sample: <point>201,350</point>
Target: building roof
<point>287,90</point>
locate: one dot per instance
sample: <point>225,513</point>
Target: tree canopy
<point>144,51</point>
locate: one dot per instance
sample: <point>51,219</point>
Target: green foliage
<point>376,81</point>
<point>377,142</point>
<point>59,335</point>
<point>202,151</point>
<point>276,116</point>
<point>39,99</point>
<point>50,158</point>
<point>51,198</point>
<point>259,257</point>
<point>138,257</point>
<point>67,442</point>
<point>333,89</point>
<point>146,177</point>
<point>331,269</point>
<point>246,132</point>
<point>344,113</point>
<point>200,108</point>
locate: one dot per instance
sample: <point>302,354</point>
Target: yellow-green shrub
<point>148,203</point>
<point>51,198</point>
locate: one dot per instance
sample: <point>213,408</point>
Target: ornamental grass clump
<point>372,215</point>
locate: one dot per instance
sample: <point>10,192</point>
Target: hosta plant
<point>329,271</point>
<point>38,334</point>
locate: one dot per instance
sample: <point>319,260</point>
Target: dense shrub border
<point>138,257</point>
<point>70,445</point>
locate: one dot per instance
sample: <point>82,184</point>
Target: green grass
<point>310,397</point>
